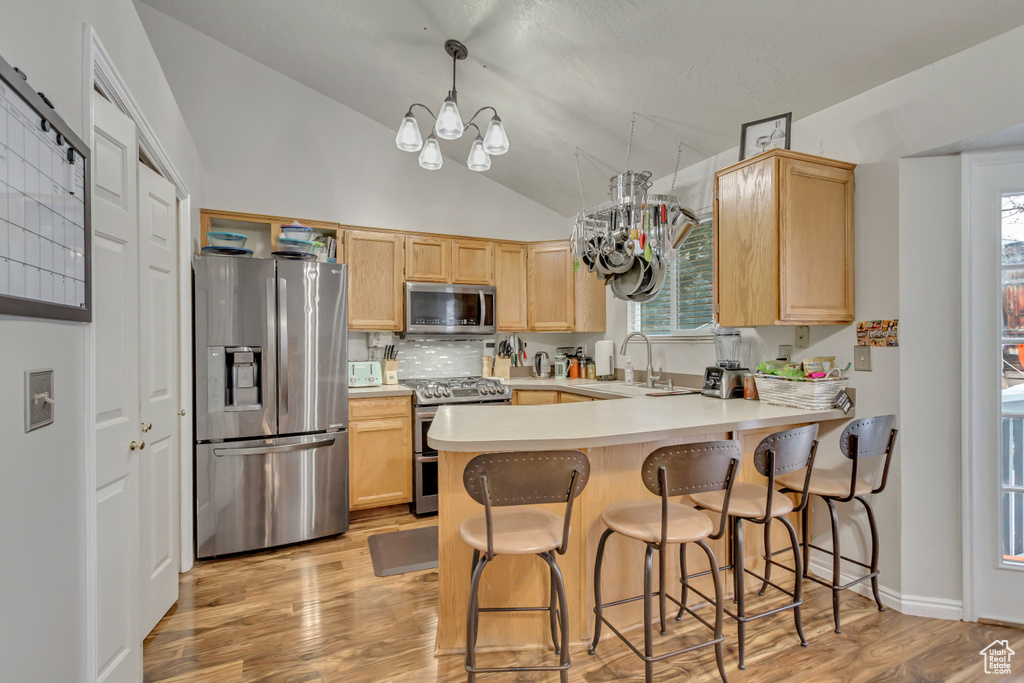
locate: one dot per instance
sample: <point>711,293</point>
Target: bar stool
<point>503,480</point>
<point>864,438</point>
<point>671,471</point>
<point>777,453</point>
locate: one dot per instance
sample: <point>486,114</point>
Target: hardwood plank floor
<point>316,612</point>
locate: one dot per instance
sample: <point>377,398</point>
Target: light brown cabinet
<point>559,299</point>
<point>566,397</point>
<point>375,265</point>
<point>784,241</point>
<point>380,452</point>
<point>472,262</point>
<point>510,281</point>
<point>534,398</point>
<point>427,258</point>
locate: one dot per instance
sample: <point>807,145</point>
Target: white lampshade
<point>478,159</point>
<point>430,157</point>
<point>495,140</point>
<point>409,138</point>
<point>449,122</point>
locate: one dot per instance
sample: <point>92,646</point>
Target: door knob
<point>132,446</point>
<point>181,413</point>
<point>142,444</point>
<point>146,426</point>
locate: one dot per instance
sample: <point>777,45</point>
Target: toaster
<point>723,382</point>
<point>364,373</point>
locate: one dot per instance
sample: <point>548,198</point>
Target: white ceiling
<point>570,73</point>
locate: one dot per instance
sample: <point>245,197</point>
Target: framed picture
<point>769,133</point>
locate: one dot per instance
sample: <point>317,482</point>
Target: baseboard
<point>913,605</point>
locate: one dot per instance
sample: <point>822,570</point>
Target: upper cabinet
<point>559,298</point>
<point>510,281</point>
<point>784,243</point>
<point>374,280</point>
<point>472,262</point>
<point>427,259</point>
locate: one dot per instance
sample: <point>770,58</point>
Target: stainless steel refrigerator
<point>271,394</point>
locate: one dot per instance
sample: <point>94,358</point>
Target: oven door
<point>424,471</point>
<point>449,309</point>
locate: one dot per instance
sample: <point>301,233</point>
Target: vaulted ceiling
<point>570,73</point>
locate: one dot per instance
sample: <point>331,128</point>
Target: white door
<point>115,321</point>
<point>993,320</point>
<point>159,494</point>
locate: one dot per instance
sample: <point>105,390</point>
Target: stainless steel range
<point>428,395</point>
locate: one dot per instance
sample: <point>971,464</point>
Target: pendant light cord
<point>629,145</point>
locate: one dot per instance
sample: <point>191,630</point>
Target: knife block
<point>391,372</point>
<point>502,367</point>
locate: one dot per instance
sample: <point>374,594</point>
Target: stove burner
<point>458,390</point>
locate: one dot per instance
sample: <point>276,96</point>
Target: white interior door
<point>993,319</point>
<point>116,296</point>
<point>159,469</point>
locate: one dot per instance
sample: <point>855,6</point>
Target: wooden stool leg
<point>798,586</point>
<point>682,578</point>
<point>598,607</point>
<point>648,631</point>
<point>836,559</point>
<point>874,552</point>
<point>738,579</point>
<point>719,608</point>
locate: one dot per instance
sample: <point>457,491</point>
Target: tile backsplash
<point>429,359</point>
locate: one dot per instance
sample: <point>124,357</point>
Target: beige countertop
<point>639,418</point>
<point>379,392</point>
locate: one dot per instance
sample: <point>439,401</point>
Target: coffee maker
<point>724,379</point>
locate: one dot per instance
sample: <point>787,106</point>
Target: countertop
<point>637,418</point>
<point>379,392</point>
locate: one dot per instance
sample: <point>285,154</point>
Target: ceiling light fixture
<point>448,125</point>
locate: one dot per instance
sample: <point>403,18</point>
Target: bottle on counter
<point>749,387</point>
<point>628,372</point>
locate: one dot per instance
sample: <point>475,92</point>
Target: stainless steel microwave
<point>449,309</point>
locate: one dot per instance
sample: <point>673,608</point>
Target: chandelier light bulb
<point>449,121</point>
<point>409,138</point>
<point>430,157</point>
<point>495,139</point>
<point>478,158</point>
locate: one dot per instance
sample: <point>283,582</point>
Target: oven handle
<point>426,458</point>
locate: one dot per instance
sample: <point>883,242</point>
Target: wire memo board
<point>45,236</point>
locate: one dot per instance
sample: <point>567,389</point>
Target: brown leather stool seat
<point>824,483</point>
<point>516,531</point>
<point>747,501</point>
<point>641,519</point>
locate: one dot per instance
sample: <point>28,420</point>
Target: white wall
<point>272,145</point>
<point>930,372</point>
<point>42,474</point>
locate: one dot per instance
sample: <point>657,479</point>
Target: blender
<point>724,379</point>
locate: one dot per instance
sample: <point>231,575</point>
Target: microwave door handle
<point>483,309</point>
<point>282,362</point>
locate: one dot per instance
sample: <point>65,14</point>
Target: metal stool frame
<point>675,471</point>
<point>524,478</point>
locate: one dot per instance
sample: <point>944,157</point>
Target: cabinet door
<point>566,397</point>
<point>427,259</point>
<point>534,398</point>
<point>472,262</point>
<point>510,280</point>
<point>815,243</point>
<point>589,311</point>
<point>550,289</point>
<point>380,463</point>
<point>374,280</point>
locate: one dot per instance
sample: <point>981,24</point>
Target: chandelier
<point>448,125</point>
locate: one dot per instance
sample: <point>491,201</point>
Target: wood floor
<point>316,612</point>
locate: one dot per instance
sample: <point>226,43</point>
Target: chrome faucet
<point>650,361</point>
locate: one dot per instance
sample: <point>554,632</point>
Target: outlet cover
<point>803,337</point>
<point>785,352</point>
<point>862,358</point>
<point>38,398</point>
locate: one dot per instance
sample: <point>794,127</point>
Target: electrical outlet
<point>785,352</point>
<point>862,358</point>
<point>39,400</point>
<point>803,337</point>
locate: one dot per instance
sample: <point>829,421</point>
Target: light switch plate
<point>803,337</point>
<point>785,352</point>
<point>862,358</point>
<point>38,388</point>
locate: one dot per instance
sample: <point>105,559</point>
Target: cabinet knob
<point>132,446</point>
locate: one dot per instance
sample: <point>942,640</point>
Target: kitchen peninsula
<point>616,434</point>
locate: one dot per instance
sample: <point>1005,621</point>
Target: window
<point>683,307</point>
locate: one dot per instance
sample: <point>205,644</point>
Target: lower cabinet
<point>534,398</point>
<point>379,452</point>
<point>566,397</point>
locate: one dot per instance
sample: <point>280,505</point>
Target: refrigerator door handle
<point>263,450</point>
<point>282,363</point>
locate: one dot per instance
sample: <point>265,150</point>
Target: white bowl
<point>290,244</point>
